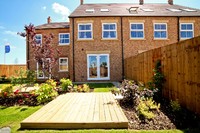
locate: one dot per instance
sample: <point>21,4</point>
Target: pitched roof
<point>94,10</point>
<point>53,25</point>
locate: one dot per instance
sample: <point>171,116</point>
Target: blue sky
<point>16,13</point>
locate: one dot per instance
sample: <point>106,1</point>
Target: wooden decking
<point>78,111</point>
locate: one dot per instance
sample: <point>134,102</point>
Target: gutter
<point>122,42</point>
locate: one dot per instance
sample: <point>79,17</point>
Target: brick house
<point>103,35</point>
<point>61,41</point>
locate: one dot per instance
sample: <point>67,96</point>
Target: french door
<point>98,67</point>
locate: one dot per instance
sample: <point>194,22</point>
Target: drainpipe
<point>73,49</point>
<point>122,42</point>
<point>178,21</point>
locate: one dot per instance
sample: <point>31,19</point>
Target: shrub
<point>175,105</point>
<point>45,93</point>
<point>157,81</point>
<point>83,88</point>
<point>6,90</point>
<point>66,84</point>
<point>145,108</point>
<point>23,77</point>
<point>132,93</point>
<point>51,82</point>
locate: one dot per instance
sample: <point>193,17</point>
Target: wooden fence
<point>10,70</point>
<point>180,66</point>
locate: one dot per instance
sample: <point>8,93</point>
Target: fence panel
<point>181,67</point>
<point>10,70</point>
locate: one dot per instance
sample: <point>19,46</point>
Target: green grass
<point>12,116</point>
<point>3,84</point>
<point>101,87</point>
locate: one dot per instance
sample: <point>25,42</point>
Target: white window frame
<point>160,30</point>
<point>64,64</point>
<point>85,31</point>
<point>63,38</point>
<point>109,30</point>
<point>98,67</point>
<point>38,39</point>
<point>44,77</point>
<point>186,31</point>
<point>136,31</point>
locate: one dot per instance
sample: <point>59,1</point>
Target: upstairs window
<point>160,31</point>
<point>64,38</point>
<point>109,31</point>
<point>137,30</point>
<point>186,30</point>
<point>63,64</point>
<point>38,38</point>
<point>85,31</point>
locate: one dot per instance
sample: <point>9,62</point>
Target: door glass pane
<point>92,66</point>
<point>103,66</point>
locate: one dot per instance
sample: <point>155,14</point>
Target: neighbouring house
<point>61,41</point>
<point>103,35</point>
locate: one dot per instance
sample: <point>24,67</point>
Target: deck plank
<point>77,111</point>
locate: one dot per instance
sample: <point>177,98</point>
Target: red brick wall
<point>113,47</point>
<point>82,47</point>
<point>131,47</point>
<point>63,49</point>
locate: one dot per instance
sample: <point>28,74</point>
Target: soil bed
<point>164,119</point>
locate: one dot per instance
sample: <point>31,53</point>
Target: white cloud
<point>13,33</point>
<point>10,32</point>
<point>62,10</point>
<point>44,8</point>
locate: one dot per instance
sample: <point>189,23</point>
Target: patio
<point>78,111</point>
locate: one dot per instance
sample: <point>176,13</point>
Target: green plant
<point>66,84</point>
<point>175,105</point>
<point>23,77</point>
<point>83,88</point>
<point>6,90</point>
<point>51,82</point>
<point>145,108</point>
<point>157,81</point>
<point>45,93</point>
<point>132,93</point>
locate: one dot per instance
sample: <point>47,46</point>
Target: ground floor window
<point>42,70</point>
<point>63,64</point>
<point>98,67</point>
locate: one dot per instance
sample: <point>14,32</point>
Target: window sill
<point>182,39</point>
<point>62,71</point>
<point>85,39</point>
<point>161,39</point>
<point>63,44</point>
<point>109,39</point>
<point>137,39</point>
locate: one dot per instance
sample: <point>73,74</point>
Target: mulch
<point>165,119</point>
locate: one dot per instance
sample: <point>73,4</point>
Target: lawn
<point>1,85</point>
<point>12,116</point>
<point>101,87</point>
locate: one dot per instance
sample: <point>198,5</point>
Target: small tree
<point>44,53</point>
